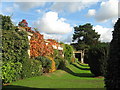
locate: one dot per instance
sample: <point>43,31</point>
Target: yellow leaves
<point>53,67</point>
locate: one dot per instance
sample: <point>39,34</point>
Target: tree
<point>6,23</point>
<point>112,78</point>
<point>85,36</point>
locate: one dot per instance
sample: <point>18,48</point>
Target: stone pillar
<point>82,56</point>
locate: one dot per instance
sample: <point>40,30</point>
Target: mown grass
<point>72,76</point>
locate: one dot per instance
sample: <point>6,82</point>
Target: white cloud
<point>52,36</point>
<point>114,21</point>
<point>72,6</point>
<point>38,11</point>
<point>66,38</point>
<point>28,5</point>
<point>108,10</point>
<point>106,33</point>
<point>91,12</point>
<point>51,23</point>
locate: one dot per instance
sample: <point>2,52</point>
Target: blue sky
<point>56,19</point>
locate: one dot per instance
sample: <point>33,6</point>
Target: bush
<point>68,52</point>
<point>60,62</point>
<point>11,71</point>
<point>57,62</point>
<point>31,67</point>
<point>97,57</point>
<point>36,67</point>
<point>26,69</point>
<point>46,63</point>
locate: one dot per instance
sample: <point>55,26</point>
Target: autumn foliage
<point>39,46</point>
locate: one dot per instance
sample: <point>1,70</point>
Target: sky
<point>56,19</point>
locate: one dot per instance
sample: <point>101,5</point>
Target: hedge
<point>97,59</point>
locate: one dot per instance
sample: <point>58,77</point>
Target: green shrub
<point>60,62</point>
<point>26,70</point>
<point>14,47</point>
<point>46,63</point>
<point>68,52</point>
<point>11,71</point>
<point>31,67</point>
<point>57,62</point>
<point>36,67</point>
<point>97,59</point>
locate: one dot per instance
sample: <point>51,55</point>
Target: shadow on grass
<point>15,87</point>
<point>82,64</point>
<point>80,67</point>
<point>77,74</point>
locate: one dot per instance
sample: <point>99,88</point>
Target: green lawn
<point>73,76</point>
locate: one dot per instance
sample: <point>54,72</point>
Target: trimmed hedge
<point>97,59</point>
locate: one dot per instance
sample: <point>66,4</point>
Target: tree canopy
<point>85,36</point>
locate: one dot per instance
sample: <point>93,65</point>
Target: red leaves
<point>38,46</point>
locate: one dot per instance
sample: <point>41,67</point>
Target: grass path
<point>73,76</point>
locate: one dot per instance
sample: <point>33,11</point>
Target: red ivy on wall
<point>38,46</point>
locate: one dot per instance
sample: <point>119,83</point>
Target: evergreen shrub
<point>97,59</point>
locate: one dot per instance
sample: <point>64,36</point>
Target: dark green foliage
<point>14,50</point>
<point>6,23</point>
<point>68,52</point>
<point>112,78</point>
<point>36,67</point>
<point>57,62</point>
<point>56,53</point>
<point>46,63</point>
<point>14,47</point>
<point>60,62</point>
<point>85,36</point>
<point>31,67</point>
<point>97,58</point>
